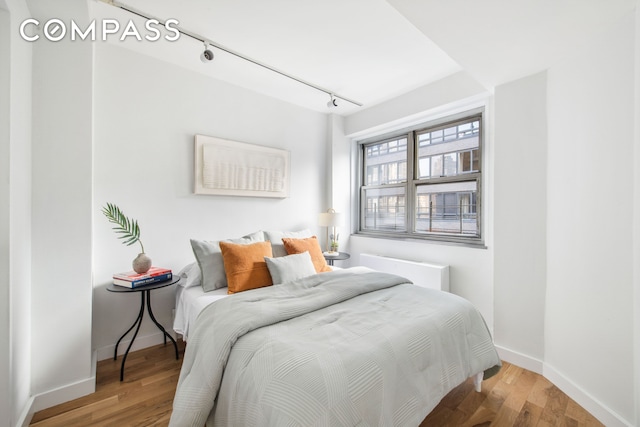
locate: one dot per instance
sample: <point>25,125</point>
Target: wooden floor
<point>514,397</point>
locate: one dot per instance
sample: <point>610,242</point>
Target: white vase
<point>142,263</point>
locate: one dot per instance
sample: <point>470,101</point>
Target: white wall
<point>520,168</point>
<point>146,114</point>
<point>471,272</point>
<point>5,225</point>
<point>410,108</point>
<point>62,211</point>
<point>339,193</point>
<point>636,219</point>
<point>15,211</point>
<point>589,305</point>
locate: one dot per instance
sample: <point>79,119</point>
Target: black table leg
<point>115,352</point>
<point>138,322</point>
<point>165,333</point>
<point>144,294</point>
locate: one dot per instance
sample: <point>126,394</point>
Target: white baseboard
<point>60,395</point>
<point>522,360</point>
<point>27,414</point>
<point>140,343</point>
<point>596,408</point>
<point>63,394</point>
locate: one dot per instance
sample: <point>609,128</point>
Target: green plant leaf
<point>127,228</point>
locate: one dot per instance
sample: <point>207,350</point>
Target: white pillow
<point>190,276</point>
<point>209,259</point>
<point>275,237</point>
<point>290,267</point>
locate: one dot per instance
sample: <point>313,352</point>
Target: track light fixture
<point>207,55</point>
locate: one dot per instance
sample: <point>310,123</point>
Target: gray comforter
<point>351,347</point>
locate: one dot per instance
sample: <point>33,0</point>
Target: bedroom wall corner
<point>519,202</point>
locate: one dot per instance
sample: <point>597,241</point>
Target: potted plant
<point>130,233</point>
<point>334,243</point>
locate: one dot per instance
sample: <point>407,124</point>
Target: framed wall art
<point>231,168</point>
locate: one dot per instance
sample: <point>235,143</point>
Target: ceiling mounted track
<point>211,43</point>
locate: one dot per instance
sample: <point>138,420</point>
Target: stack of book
<point>131,279</point>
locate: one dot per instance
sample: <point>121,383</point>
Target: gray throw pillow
<point>275,237</point>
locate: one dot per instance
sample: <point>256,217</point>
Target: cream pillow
<point>290,267</point>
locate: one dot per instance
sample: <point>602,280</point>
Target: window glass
<point>443,188</point>
<point>464,161</point>
<point>447,208</point>
<point>385,209</point>
<point>386,162</point>
<point>450,164</point>
<point>457,144</point>
<point>436,166</point>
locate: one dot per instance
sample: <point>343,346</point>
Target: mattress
<point>189,303</point>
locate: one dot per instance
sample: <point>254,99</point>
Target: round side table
<point>340,257</point>
<point>145,295</point>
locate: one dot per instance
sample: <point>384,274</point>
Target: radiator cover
<point>427,275</point>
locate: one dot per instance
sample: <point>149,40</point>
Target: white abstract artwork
<point>232,168</point>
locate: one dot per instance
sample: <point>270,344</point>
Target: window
<point>424,183</point>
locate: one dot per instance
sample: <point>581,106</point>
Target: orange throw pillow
<point>245,265</point>
<point>311,245</point>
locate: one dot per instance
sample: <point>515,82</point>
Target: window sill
<point>444,240</point>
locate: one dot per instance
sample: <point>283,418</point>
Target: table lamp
<point>331,219</point>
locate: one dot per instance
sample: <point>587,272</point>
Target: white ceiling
<point>372,50</point>
<point>501,40</point>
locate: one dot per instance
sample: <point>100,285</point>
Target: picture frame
<point>231,168</point>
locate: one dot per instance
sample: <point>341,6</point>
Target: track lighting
<point>207,55</point>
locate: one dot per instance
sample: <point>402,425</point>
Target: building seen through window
<point>424,183</point>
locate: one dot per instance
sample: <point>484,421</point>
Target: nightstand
<point>145,295</point>
<point>340,257</point>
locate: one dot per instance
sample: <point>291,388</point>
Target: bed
<point>190,301</point>
<point>349,347</point>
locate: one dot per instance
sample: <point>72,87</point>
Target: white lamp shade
<point>330,219</point>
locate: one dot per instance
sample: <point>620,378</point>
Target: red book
<point>131,279</point>
<point>132,276</point>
